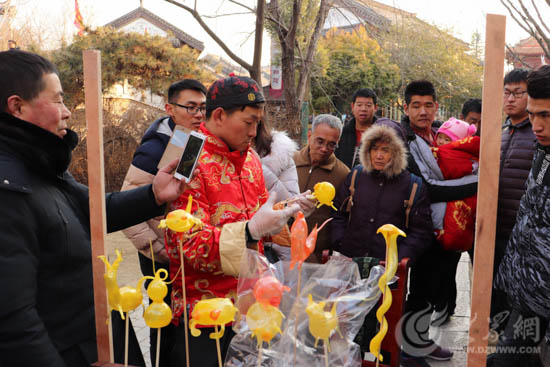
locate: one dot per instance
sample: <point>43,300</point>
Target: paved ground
<point>454,335</point>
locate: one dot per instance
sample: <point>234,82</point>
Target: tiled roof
<point>364,12</point>
<point>159,22</point>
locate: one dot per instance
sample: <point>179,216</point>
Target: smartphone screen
<point>189,156</point>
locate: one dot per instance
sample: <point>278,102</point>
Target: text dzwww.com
<point>502,350</point>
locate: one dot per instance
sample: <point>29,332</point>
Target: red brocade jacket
<point>226,193</point>
<point>455,161</point>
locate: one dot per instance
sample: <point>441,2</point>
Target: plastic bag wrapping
<point>337,281</point>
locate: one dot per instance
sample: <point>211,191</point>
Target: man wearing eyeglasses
<point>185,107</point>
<point>316,162</point>
<point>516,154</point>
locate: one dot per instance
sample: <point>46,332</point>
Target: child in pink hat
<point>457,155</point>
<point>453,130</point>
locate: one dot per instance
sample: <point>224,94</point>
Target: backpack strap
<point>414,186</point>
<point>349,204</point>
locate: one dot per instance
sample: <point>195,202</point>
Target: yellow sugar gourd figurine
<point>264,320</point>
<point>158,314</point>
<point>181,220</point>
<point>390,233</point>
<point>122,299</point>
<point>212,312</point>
<point>321,322</point>
<point>324,192</point>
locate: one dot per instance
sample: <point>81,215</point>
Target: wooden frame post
<point>487,189</point>
<point>96,184</point>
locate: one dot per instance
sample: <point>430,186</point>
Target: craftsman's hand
<point>267,221</point>
<point>166,187</point>
<point>306,201</point>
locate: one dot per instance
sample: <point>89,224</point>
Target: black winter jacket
<point>524,272</point>
<point>379,199</point>
<point>516,156</point>
<point>45,252</point>
<point>346,146</point>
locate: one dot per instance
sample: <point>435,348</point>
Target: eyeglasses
<point>191,109</point>
<point>320,142</point>
<point>507,93</point>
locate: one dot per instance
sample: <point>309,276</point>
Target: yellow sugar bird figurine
<point>321,322</point>
<point>390,233</point>
<point>120,299</point>
<point>324,192</point>
<point>158,314</point>
<point>212,312</point>
<point>181,220</point>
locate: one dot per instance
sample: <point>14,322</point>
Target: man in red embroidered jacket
<point>228,196</point>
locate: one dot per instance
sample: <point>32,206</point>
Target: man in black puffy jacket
<point>516,155</point>
<point>47,309</point>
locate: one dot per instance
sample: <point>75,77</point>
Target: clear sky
<point>463,17</point>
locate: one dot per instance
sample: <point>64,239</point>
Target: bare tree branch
<point>257,58</point>
<point>541,21</point>
<point>516,57</point>
<point>266,15</point>
<point>211,33</point>
<point>223,15</point>
<point>243,5</point>
<point>528,23</point>
<point>538,34</point>
<point>320,21</point>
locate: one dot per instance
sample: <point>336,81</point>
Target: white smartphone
<point>192,144</point>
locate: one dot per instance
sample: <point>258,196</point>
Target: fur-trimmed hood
<point>398,150</point>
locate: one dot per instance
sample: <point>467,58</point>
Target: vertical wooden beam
<point>487,189</point>
<point>98,224</point>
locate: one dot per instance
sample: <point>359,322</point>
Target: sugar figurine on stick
<point>302,245</point>
<point>158,314</point>
<point>181,221</point>
<point>213,312</point>
<point>122,299</point>
<point>322,323</point>
<point>264,317</point>
<point>390,233</point>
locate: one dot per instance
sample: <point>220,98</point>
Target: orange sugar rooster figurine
<point>302,244</point>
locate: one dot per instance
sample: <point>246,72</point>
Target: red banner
<point>78,21</point>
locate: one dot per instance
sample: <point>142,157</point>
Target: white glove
<point>306,201</point>
<point>267,221</point>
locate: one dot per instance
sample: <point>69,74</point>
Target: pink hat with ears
<point>457,129</point>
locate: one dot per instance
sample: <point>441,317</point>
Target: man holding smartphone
<point>185,107</point>
<point>230,198</point>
